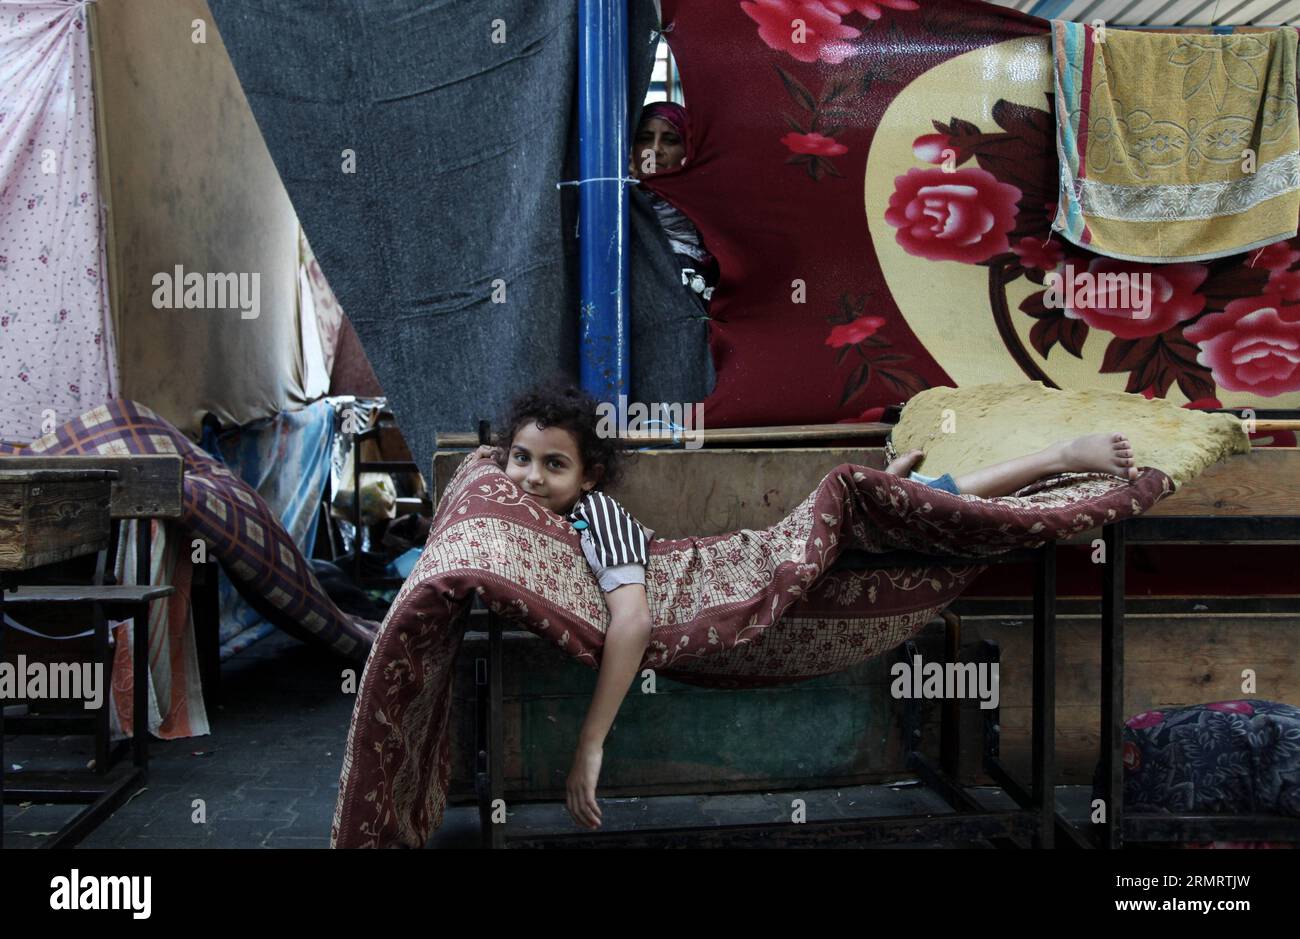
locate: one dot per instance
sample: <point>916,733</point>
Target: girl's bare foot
<point>1097,453</point>
<point>903,465</point>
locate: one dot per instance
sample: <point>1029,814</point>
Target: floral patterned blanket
<point>903,156</point>
<point>1239,757</point>
<point>741,609</point>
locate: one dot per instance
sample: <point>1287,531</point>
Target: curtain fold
<point>57,346</point>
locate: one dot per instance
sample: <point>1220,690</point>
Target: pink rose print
<point>962,216</point>
<point>823,26</point>
<point>852,333</point>
<point>822,33</point>
<point>929,148</point>
<point>44,258</point>
<point>1145,719</point>
<point>1284,283</point>
<point>1253,345</point>
<point>1276,257</point>
<point>1232,707</point>
<point>1033,253</point>
<point>75,388</point>
<point>816,144</point>
<point>1173,298</point>
<point>63,315</point>
<point>4,322</point>
<point>871,9</point>
<point>1132,756</point>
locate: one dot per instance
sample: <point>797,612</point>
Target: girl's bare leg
<point>1091,453</point>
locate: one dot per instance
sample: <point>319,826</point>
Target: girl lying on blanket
<point>550,448</point>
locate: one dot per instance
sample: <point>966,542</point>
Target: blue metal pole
<point>602,199</point>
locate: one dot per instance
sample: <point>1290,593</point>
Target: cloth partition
<point>196,198</point>
<point>176,707</point>
<point>422,159</point>
<point>879,191</point>
<point>57,355</point>
<point>286,460</point>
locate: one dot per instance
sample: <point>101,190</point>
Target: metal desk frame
<point>1036,819</point>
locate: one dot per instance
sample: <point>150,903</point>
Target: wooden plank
<point>726,435</point>
<point>703,492</point>
<point>147,486</point>
<point>48,516</point>
<point>86,593</point>
<point>1169,662</point>
<point>681,493</point>
<point>1262,482</point>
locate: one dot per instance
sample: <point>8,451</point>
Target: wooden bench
<point>34,534</point>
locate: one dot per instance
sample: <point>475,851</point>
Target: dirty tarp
<point>458,143</point>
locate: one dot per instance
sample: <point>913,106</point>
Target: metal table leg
<point>1112,684</point>
<point>1044,721</point>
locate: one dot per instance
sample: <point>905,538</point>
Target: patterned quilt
<point>1236,757</point>
<point>240,529</point>
<point>746,608</point>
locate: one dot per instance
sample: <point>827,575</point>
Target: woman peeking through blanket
<point>550,447</point>
<point>662,143</point>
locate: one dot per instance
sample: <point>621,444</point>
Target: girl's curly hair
<point>560,404</point>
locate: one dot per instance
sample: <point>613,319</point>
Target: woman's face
<point>665,147</point>
<point>546,464</point>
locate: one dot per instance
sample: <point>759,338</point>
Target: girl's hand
<point>581,786</point>
<point>488,453</point>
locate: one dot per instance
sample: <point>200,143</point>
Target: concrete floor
<point>268,776</point>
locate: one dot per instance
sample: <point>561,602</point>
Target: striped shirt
<point>618,537</point>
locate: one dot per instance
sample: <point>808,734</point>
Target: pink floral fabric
<point>737,610</point>
<point>57,355</point>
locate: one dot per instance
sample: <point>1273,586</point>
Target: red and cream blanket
<point>746,608</point>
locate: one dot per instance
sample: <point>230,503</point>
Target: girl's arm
<point>625,644</point>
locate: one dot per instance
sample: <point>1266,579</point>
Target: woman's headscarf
<point>675,115</point>
<point>681,231</point>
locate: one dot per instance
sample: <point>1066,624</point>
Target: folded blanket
<point>750,607</point>
<point>1175,147</point>
<point>256,552</point>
